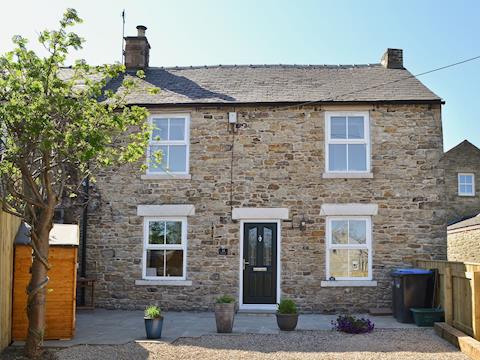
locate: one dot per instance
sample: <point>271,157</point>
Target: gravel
<point>381,344</point>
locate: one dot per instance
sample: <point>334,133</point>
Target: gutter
<point>83,265</point>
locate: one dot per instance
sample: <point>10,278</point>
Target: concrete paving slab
<point>110,327</point>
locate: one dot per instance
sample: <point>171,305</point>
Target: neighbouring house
<point>463,240</point>
<point>307,182</point>
<point>462,181</point>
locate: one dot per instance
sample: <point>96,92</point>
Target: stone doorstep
<point>467,345</point>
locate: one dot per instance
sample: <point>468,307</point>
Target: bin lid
<point>410,271</point>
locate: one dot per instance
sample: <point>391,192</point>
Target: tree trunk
<point>37,288</point>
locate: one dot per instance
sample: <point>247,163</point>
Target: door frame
<point>267,307</point>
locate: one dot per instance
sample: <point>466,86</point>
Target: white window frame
<point>460,193</point>
<point>365,140</point>
<point>161,142</point>
<point>367,246</point>
<point>147,246</point>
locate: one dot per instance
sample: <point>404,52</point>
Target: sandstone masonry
<point>278,161</point>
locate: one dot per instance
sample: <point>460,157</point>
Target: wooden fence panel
<point>459,293</point>
<point>8,229</point>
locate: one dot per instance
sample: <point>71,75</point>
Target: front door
<point>259,263</point>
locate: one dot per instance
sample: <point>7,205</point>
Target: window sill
<point>164,282</point>
<point>349,283</point>
<point>466,195</point>
<point>166,177</point>
<point>347,175</point>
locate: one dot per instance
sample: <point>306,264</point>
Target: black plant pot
<point>287,322</point>
<point>153,328</point>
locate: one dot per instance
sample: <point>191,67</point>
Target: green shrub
<point>153,312</point>
<point>225,299</point>
<point>287,306</point>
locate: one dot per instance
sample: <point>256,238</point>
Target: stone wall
<point>464,245</point>
<point>464,158</point>
<point>278,161</point>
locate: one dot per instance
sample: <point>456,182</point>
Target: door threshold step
<point>256,312</point>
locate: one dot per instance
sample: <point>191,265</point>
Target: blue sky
<point>200,32</point>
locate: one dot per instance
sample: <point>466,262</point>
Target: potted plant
<point>225,313</point>
<point>153,322</point>
<point>352,325</point>
<point>287,315</point>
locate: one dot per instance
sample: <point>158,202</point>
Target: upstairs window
<point>466,184</point>
<point>347,142</point>
<point>169,140</point>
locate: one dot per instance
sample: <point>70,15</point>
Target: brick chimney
<point>137,50</point>
<point>393,59</point>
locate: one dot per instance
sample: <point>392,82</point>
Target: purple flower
<point>352,325</point>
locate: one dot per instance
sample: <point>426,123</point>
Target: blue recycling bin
<point>409,290</point>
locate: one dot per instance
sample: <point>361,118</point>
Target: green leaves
<point>58,124</point>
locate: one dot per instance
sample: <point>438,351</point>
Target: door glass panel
<point>174,266</point>
<point>339,232</point>
<point>267,246</point>
<point>155,264</point>
<point>156,231</point>
<point>252,246</point>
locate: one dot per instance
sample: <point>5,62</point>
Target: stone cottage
<point>462,181</point>
<point>306,182</point>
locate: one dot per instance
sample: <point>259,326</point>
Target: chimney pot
<point>137,50</point>
<point>393,59</point>
<point>141,30</point>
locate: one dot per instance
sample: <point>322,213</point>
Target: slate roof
<point>465,223</point>
<point>464,146</point>
<point>238,84</point>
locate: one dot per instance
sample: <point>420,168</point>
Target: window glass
<point>174,262</point>
<point>157,152</point>
<point>357,232</point>
<point>156,232</point>
<point>345,263</point>
<point>155,263</point>
<point>338,127</point>
<point>357,157</point>
<point>355,127</point>
<point>174,232</point>
<point>160,129</point>
<point>339,232</point>
<point>177,129</point>
<point>178,158</point>
<point>337,157</point>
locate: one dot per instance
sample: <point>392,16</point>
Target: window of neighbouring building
<point>165,248</point>
<point>466,184</point>
<point>349,248</point>
<point>168,150</point>
<point>347,142</point>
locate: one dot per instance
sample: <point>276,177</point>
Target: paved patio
<point>110,327</point>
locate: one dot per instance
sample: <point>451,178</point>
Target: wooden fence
<point>459,293</point>
<point>8,229</point>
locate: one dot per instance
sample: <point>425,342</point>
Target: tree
<point>57,125</point>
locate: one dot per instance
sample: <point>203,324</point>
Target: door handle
<point>245,263</point>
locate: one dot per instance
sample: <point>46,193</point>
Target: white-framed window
<point>170,137</point>
<point>349,248</point>
<point>466,184</point>
<point>347,142</point>
<point>165,248</point>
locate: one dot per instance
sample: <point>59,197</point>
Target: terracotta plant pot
<point>153,328</point>
<point>287,322</point>
<point>224,315</point>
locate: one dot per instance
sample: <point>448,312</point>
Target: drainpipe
<point>83,265</point>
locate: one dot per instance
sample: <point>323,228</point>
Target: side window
<point>466,184</point>
<point>349,248</point>
<point>347,142</point>
<point>168,150</point>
